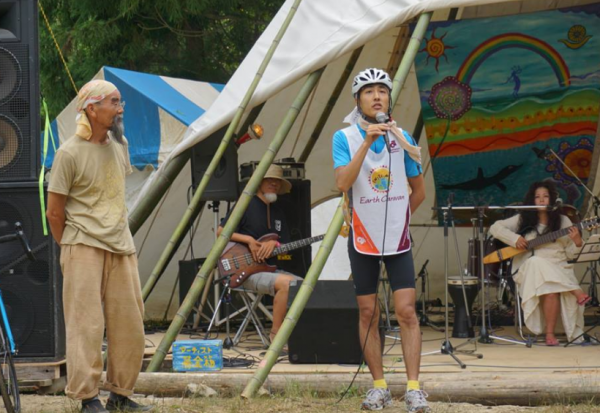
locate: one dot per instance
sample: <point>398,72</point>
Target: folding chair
<point>252,302</point>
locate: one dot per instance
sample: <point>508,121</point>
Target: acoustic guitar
<point>509,252</point>
<point>237,262</point>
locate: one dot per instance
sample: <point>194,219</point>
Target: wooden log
<point>483,388</point>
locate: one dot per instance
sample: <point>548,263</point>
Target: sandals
<point>583,300</point>
<point>552,342</point>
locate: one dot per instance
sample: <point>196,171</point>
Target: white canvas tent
<point>325,34</point>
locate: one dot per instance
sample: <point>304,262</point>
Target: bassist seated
<point>262,218</point>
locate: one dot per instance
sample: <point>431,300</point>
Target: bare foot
<point>551,340</point>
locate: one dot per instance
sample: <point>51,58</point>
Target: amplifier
<point>292,170</point>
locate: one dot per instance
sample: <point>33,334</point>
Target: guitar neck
<point>552,236</point>
<point>296,244</point>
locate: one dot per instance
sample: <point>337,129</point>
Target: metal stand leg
<point>251,316</point>
<point>423,317</point>
<point>586,334</point>
<point>447,347</point>
<point>484,335</point>
<point>593,286</point>
<point>386,308</point>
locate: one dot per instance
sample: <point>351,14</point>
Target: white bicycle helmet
<point>370,77</point>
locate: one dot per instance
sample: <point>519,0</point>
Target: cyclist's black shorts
<point>365,270</point>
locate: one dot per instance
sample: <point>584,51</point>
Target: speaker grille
<point>17,137</point>
<point>32,291</point>
<point>11,75</point>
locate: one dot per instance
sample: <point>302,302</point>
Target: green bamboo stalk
<point>214,163</point>
<point>163,180</point>
<point>409,55</point>
<point>330,104</point>
<point>232,223</point>
<point>295,311</point>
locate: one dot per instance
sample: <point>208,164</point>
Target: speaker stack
<point>31,290</point>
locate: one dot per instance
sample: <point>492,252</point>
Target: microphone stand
<point>484,336</point>
<point>447,347</point>
<point>423,317</point>
<point>593,267</point>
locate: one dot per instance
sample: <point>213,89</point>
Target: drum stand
<point>447,347</point>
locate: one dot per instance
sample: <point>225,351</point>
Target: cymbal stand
<point>447,347</point>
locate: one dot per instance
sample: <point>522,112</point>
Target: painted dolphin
<point>482,182</point>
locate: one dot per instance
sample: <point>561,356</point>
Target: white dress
<point>544,271</point>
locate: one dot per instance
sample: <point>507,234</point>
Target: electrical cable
<point>376,301</point>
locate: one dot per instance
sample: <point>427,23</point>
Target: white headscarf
<point>92,92</point>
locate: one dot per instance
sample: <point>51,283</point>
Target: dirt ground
<point>55,404</point>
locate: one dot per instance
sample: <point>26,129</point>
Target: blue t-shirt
<point>342,157</point>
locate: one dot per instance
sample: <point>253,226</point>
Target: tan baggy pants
<point>100,288</point>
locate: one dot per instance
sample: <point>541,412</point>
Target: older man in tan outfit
<point>88,218</point>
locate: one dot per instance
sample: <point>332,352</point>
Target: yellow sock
<point>380,384</point>
<point>412,385</point>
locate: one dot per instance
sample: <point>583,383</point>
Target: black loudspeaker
<point>296,207</point>
<point>224,183</point>
<point>327,331</point>
<point>19,91</point>
<point>187,273</point>
<point>31,290</point>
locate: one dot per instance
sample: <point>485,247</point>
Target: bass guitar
<point>237,262</point>
<point>509,252</point>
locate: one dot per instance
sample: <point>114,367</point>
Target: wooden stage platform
<point>507,373</point>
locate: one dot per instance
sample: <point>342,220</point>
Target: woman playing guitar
<point>547,283</point>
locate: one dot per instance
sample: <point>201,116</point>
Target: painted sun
<point>436,48</point>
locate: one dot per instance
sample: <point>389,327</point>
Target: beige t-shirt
<point>93,178</point>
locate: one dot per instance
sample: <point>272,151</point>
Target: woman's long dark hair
<point>529,218</point>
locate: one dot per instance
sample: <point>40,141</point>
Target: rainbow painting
<point>498,93</point>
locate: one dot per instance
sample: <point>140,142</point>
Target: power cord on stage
<point>376,301</point>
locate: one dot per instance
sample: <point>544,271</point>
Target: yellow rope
<point>57,47</point>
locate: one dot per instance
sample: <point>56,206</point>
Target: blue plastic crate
<point>198,355</point>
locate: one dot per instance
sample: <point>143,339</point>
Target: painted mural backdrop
<point>496,91</point>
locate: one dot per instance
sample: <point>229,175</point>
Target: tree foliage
<point>193,39</point>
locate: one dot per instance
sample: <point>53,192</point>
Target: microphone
<point>381,117</point>
<point>422,272</point>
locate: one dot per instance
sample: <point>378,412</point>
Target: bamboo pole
<point>409,55</point>
<point>315,269</point>
<point>214,163</point>
<point>163,180</point>
<point>330,104</point>
<point>295,311</point>
<point>232,223</point>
